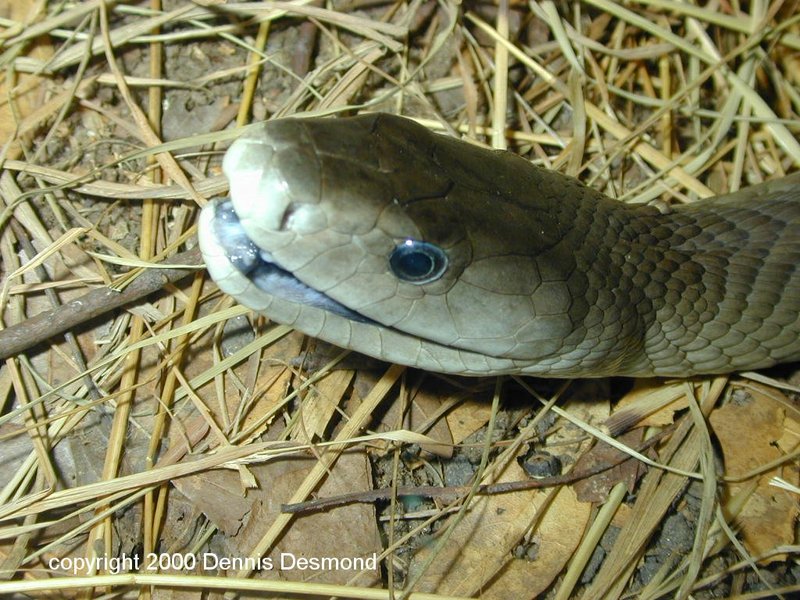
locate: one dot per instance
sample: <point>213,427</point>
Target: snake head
<point>378,235</point>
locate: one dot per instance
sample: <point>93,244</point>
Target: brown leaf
<point>467,418</point>
<point>426,402</point>
<point>319,407</point>
<point>480,552</point>
<point>29,90</point>
<point>597,487</point>
<point>650,402</point>
<point>344,532</point>
<point>752,431</point>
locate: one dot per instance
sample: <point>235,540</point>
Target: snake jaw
<point>239,265</point>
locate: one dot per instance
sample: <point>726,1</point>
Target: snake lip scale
<point>378,235</point>
<point>258,265</point>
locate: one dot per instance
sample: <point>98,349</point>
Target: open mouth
<point>257,265</point>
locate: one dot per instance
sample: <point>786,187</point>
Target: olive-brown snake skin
<point>375,234</point>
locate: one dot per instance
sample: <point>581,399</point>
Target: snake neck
<point>710,287</point>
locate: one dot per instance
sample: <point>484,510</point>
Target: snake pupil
<point>418,262</point>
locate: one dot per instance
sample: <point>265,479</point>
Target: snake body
<point>376,234</point>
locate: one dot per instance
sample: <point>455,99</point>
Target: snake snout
<point>257,188</point>
<point>274,181</point>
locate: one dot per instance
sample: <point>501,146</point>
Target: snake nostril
<point>286,221</point>
<point>303,218</point>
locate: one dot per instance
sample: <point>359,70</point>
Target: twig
<point>449,493</point>
<point>52,296</point>
<point>44,326</point>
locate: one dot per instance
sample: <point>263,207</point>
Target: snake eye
<point>418,262</point>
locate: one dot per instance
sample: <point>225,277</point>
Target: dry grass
<point>651,100</point>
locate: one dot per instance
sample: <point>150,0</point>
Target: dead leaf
<point>420,415</point>
<point>597,487</point>
<point>345,532</point>
<point>750,431</point>
<point>467,418</point>
<point>320,405</point>
<point>557,537</point>
<point>650,402</point>
<point>479,556</point>
<point>28,91</point>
